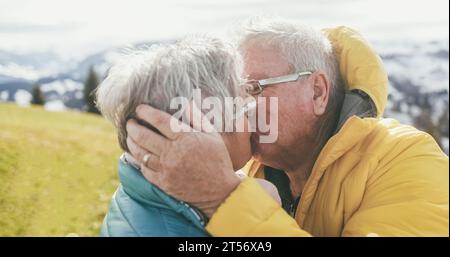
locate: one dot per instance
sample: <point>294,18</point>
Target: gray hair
<point>160,73</point>
<point>304,48</point>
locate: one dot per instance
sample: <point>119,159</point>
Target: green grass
<point>57,171</point>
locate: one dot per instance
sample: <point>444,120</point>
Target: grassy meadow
<point>58,171</point>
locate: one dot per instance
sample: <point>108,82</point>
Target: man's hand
<point>194,167</point>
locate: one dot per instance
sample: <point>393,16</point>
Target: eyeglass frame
<point>263,83</point>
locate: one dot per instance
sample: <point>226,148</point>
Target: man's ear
<point>321,89</point>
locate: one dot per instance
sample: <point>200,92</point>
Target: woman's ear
<point>321,89</point>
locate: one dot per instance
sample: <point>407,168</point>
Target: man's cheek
<point>269,125</point>
<point>270,136</point>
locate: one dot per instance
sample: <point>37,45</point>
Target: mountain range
<point>418,76</point>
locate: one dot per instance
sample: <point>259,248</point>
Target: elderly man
<point>340,168</point>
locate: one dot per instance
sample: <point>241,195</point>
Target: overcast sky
<point>77,27</point>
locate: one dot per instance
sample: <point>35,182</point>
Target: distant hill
<point>57,171</point>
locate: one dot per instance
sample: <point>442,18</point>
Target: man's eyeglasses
<point>255,87</point>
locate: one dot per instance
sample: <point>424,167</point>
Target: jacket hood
<point>360,66</point>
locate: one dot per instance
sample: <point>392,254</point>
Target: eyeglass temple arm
<point>281,79</point>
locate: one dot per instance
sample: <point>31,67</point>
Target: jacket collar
<point>139,189</point>
<point>356,111</point>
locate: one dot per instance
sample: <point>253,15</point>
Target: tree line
<point>90,84</point>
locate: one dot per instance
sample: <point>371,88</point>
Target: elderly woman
<point>156,76</point>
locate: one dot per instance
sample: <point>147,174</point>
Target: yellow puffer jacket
<point>373,177</point>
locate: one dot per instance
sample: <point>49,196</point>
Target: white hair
<point>304,48</point>
<point>160,73</point>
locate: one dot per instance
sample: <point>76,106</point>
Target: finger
<point>197,120</point>
<point>162,121</point>
<point>147,139</point>
<point>152,176</point>
<point>135,150</point>
<point>152,162</point>
<point>138,154</point>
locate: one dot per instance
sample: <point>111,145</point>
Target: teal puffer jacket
<point>139,208</point>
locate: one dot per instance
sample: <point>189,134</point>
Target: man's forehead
<point>262,63</point>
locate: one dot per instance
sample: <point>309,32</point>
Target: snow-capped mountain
<point>60,80</point>
<point>28,66</point>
